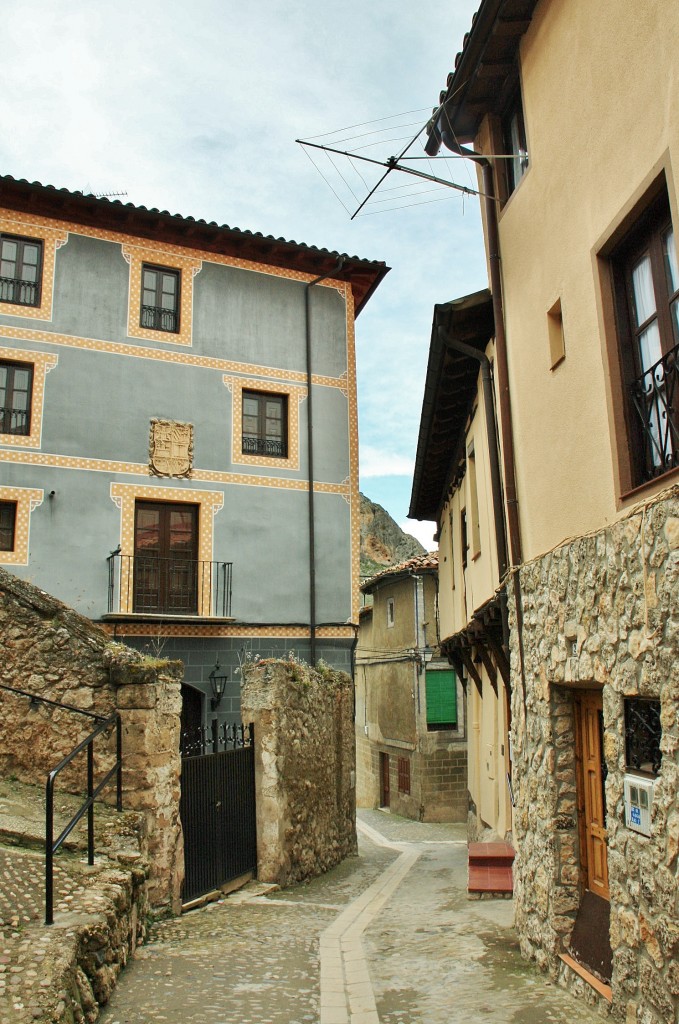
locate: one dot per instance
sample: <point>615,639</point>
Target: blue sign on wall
<point>635,815</point>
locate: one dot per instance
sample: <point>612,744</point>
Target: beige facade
<point>410,749</point>
<point>573,113</point>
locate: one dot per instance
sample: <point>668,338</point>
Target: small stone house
<point>410,737</point>
<point>178,432</point>
<point>580,208</point>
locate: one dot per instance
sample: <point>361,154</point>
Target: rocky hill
<point>383,542</point>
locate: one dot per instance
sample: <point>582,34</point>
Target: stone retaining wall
<point>600,612</point>
<point>51,651</point>
<point>304,768</point>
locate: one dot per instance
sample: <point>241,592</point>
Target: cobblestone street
<point>388,937</point>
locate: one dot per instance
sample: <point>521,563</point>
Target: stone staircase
<point>490,869</point>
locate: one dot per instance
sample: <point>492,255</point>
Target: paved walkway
<point>388,937</point>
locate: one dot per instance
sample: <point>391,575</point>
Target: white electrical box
<point>638,802</point>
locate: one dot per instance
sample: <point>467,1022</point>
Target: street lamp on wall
<point>218,686</point>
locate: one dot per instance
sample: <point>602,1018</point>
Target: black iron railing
<point>263,446</point>
<point>158,319</point>
<point>643,733</point>
<point>143,584</point>
<point>14,421</point>
<point>216,738</point>
<point>52,845</point>
<point>655,395</point>
<point>23,293</point>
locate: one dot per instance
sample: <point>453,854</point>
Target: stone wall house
<point>579,215</point>
<point>157,381</point>
<point>411,753</point>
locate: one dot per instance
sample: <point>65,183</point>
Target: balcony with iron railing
<point>263,446</point>
<point>655,398</point>
<point>149,585</point>
<point>14,421</point>
<point>21,293</point>
<point>156,318</point>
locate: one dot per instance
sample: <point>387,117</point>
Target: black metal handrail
<point>655,396</point>
<point>146,584</point>
<point>52,845</point>
<point>22,293</point>
<point>157,318</point>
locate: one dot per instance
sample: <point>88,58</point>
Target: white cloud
<point>376,462</point>
<point>424,532</point>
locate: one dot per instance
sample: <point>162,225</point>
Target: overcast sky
<point>195,108</point>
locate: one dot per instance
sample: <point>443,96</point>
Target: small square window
<point>20,270</point>
<point>16,388</point>
<point>643,733</point>
<point>265,424</point>
<point>8,513</point>
<point>160,299</point>
<point>557,345</point>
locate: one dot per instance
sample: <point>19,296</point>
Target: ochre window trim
<point>186,266</point>
<point>125,497</point>
<point>295,394</point>
<point>27,499</point>
<point>51,239</point>
<point>42,363</point>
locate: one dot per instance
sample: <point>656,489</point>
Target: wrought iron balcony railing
<point>14,421</point>
<point>23,293</point>
<point>263,446</point>
<point>144,584</point>
<point>159,319</point>
<point>655,395</point>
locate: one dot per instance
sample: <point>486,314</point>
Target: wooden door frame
<point>580,696</point>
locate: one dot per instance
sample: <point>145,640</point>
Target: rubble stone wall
<point>602,612</point>
<point>304,768</point>
<point>52,652</point>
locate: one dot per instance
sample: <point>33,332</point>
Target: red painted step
<point>490,867</point>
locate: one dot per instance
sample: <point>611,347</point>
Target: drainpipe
<point>310,448</point>
<point>495,480</point>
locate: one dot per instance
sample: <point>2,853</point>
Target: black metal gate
<point>217,807</point>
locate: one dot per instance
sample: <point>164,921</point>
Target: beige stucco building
<point>410,738</point>
<point>572,111</point>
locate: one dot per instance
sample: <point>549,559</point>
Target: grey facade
<point>250,315</point>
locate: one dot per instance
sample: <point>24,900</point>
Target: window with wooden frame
<point>646,283</point>
<point>160,298</point>
<point>404,776</point>
<point>441,687</point>
<point>20,270</point>
<point>8,514</point>
<point>16,389</point>
<point>265,424</point>
<point>391,612</point>
<point>514,142</point>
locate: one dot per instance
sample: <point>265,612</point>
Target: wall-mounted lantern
<point>218,684</point>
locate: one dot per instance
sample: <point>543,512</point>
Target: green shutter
<point>441,697</point>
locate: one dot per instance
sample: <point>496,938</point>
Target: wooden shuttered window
<point>441,699</point>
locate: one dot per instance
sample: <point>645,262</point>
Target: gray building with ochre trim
<point>158,468</point>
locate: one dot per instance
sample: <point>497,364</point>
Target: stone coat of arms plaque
<point>170,448</point>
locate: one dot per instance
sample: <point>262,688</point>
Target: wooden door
<point>165,551</point>
<point>384,780</point>
<point>592,803</point>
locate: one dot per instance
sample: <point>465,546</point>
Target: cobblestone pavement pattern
<point>388,937</point>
